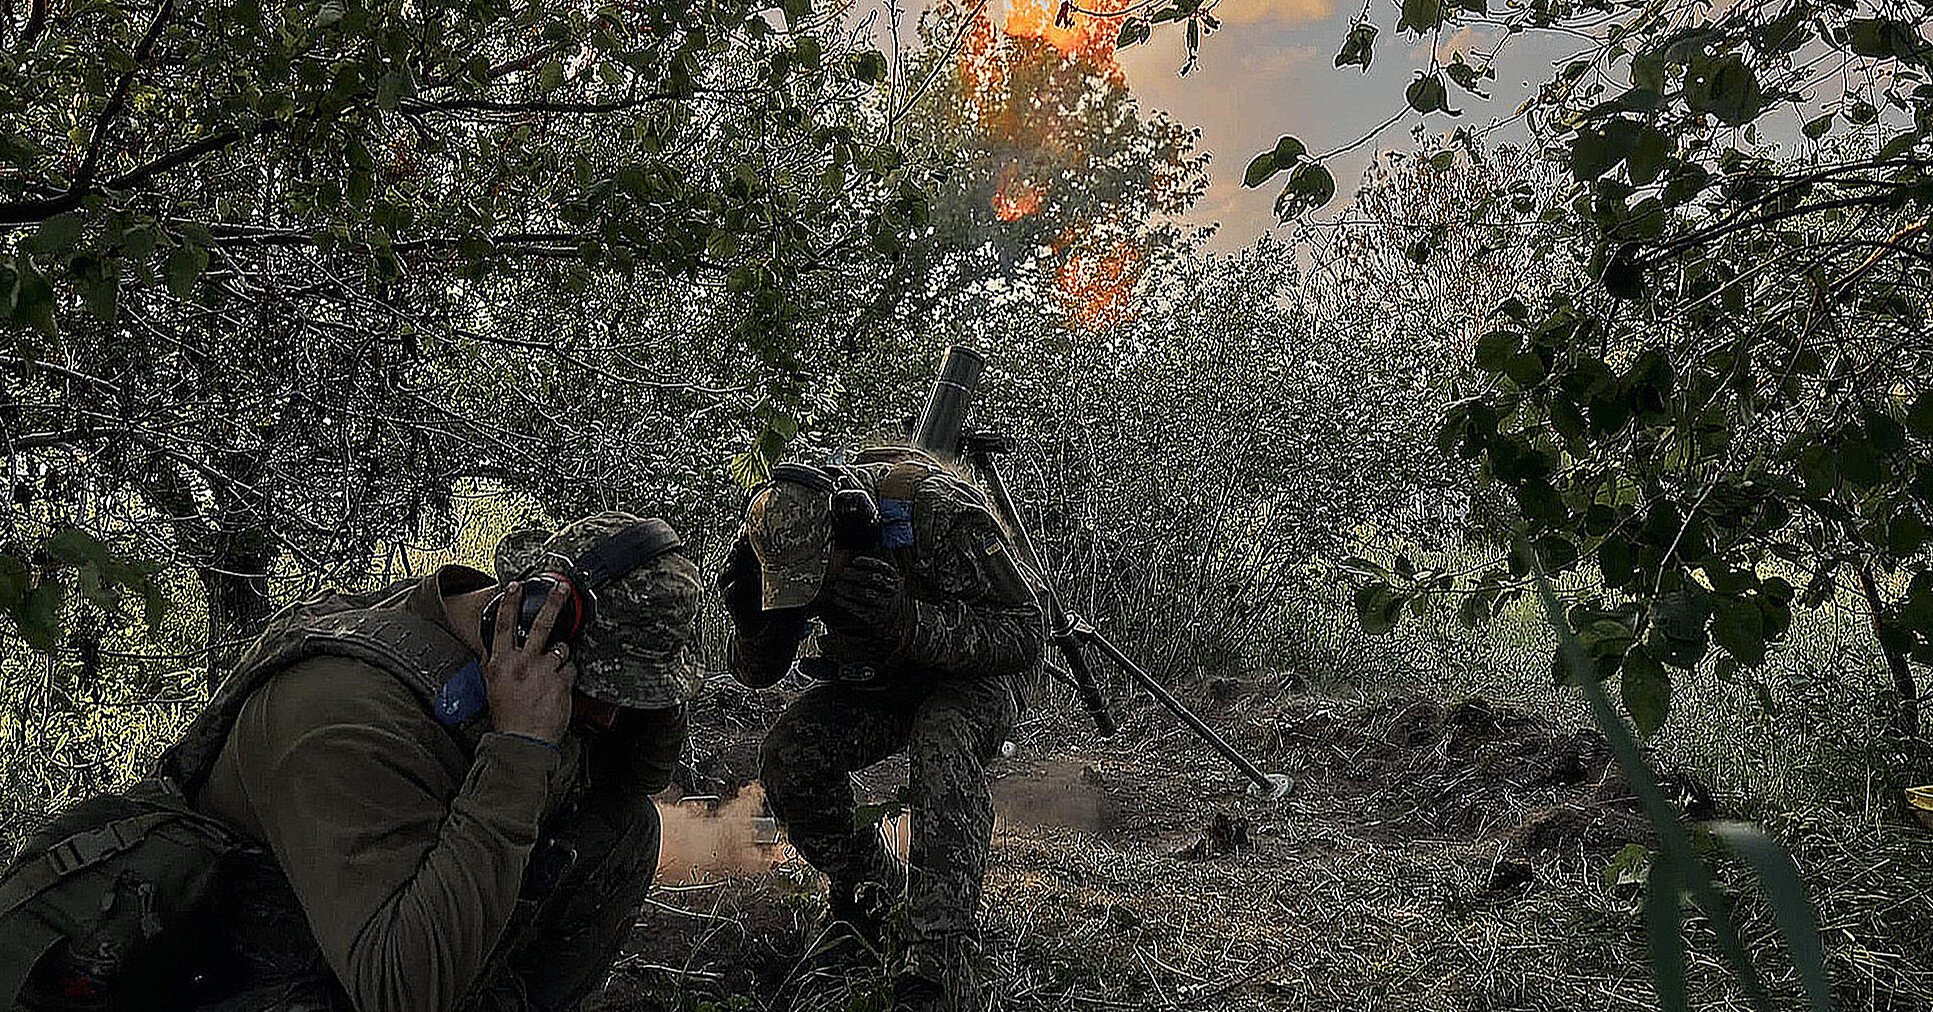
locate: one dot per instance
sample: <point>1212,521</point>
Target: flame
<point>1001,72</point>
<point>1082,38</point>
<point>1015,197</point>
<point>1096,287</point>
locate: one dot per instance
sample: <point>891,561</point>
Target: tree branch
<point>90,163</point>
<point>28,212</point>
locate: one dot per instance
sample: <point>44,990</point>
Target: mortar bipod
<point>1070,633</point>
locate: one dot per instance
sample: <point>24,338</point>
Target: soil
<point>1430,854</point>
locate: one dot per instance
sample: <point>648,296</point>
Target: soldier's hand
<point>738,583</point>
<point>530,687</point>
<point>869,598</point>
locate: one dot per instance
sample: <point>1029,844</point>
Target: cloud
<point>1284,12</point>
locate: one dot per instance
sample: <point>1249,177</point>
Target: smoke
<point>704,840</point>
<point>1064,792</point>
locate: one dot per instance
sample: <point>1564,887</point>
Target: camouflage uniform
<point>940,687</point>
<point>409,865</point>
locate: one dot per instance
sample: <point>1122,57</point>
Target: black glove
<point>738,584</point>
<point>869,599</point>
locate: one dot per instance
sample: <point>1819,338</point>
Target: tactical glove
<point>869,600</point>
<point>738,584</point>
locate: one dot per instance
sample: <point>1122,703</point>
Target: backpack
<point>115,895</point>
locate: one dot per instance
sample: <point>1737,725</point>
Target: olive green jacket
<point>405,848</point>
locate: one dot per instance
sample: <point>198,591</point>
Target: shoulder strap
<point>81,850</point>
<point>419,653</point>
<point>903,480</point>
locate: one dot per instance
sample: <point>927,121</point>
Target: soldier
<point>925,620</point>
<point>487,847</point>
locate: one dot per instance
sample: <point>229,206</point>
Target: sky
<point>1270,71</point>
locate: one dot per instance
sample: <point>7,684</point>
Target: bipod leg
<point>1267,785</point>
<point>1067,636</point>
<point>1065,627</point>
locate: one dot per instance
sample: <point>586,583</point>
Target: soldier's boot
<point>865,908</point>
<point>940,975</point>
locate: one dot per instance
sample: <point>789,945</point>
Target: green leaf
<point>185,265</point>
<point>1467,77</point>
<point>1905,535</point>
<point>1421,16</point>
<point>1647,157</point>
<point>1288,151</point>
<point>78,548</point>
<point>15,581</point>
<point>1624,278</point>
<point>1815,129</point>
<point>1791,909</point>
<point>1378,607</point>
<point>100,288</point>
<point>1919,418</point>
<point>1726,88</point>
<point>1885,37</point>
<point>1310,187</point>
<point>1427,94</point>
<point>870,66</point>
<point>1664,931</point>
<point>1134,31</point>
<point>1739,627</point>
<point>1496,348</point>
<point>58,234</point>
<point>1646,689</point>
<point>1617,562</point>
<point>1260,169</point>
<point>39,614</point>
<point>1357,48</point>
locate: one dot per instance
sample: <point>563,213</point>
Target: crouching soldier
<point>441,792</point>
<point>925,619</point>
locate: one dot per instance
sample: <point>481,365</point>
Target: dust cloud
<point>705,839</point>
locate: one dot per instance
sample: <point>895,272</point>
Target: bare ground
<point>1431,855</point>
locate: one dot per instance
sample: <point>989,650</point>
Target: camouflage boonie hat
<point>638,651</point>
<point>790,528</point>
<point>518,550</point>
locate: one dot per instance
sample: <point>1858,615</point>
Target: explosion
<point>1015,197</point>
<point>1010,76</point>
<point>1085,38</point>
<point>1097,286</point>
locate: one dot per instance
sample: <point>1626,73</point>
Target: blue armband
<point>895,523</point>
<point>463,697</point>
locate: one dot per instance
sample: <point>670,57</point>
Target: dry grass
<point>1382,882</point>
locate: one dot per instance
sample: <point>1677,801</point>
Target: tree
<point>245,244</point>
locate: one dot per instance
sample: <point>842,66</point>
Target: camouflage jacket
<point>976,611</point>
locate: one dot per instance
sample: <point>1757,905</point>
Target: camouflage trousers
<point>581,892</point>
<point>949,728</point>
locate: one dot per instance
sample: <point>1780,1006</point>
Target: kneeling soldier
<point>925,620</point>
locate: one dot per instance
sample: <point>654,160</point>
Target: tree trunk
<point>1906,714</point>
<point>236,586</point>
<point>231,550</point>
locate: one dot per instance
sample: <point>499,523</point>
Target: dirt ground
<point>1431,854</point>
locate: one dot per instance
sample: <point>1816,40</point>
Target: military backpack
<point>106,906</point>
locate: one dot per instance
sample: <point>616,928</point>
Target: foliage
<point>1740,405</point>
<point>35,589</point>
<point>251,252</point>
<point>1677,870</point>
